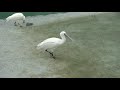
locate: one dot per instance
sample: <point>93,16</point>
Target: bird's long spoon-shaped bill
<point>69,37</point>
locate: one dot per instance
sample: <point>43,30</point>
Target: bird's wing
<point>51,40</point>
<point>47,42</point>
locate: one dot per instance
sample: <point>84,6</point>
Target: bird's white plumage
<point>15,17</point>
<point>51,44</point>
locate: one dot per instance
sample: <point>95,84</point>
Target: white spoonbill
<point>16,17</point>
<point>50,44</point>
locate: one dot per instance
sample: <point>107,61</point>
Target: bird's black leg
<point>50,54</point>
<point>23,21</point>
<point>19,24</point>
<point>15,24</point>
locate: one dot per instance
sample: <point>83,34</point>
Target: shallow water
<point>93,53</point>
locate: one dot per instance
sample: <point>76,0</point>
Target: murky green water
<point>6,14</point>
<point>94,52</point>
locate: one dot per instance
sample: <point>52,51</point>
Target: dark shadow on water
<point>29,24</point>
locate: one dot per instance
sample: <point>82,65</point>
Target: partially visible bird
<point>16,17</point>
<point>50,44</point>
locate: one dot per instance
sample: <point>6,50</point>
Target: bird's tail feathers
<point>40,49</point>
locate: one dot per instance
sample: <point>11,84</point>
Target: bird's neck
<point>63,38</point>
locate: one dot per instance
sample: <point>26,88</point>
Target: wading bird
<point>50,44</point>
<point>16,17</point>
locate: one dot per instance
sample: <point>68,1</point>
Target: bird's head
<point>65,34</point>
